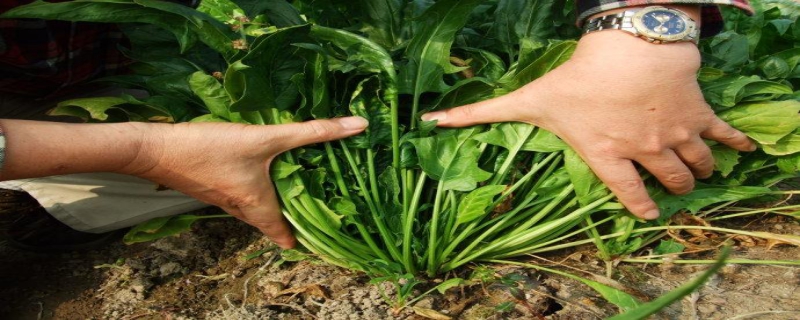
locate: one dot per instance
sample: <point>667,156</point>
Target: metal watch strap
<point>618,21</point>
<point>624,21</point>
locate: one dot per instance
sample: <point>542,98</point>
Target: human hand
<point>620,100</point>
<point>227,164</point>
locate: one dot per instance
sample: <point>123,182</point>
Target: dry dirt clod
<point>169,269</point>
<point>312,290</point>
<point>706,309</point>
<point>272,288</point>
<point>140,285</point>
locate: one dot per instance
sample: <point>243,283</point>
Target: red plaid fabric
<point>39,57</point>
<point>712,19</point>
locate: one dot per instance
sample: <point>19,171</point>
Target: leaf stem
<point>526,234</point>
<point>732,261</point>
<point>337,171</point>
<point>751,212</point>
<point>530,196</point>
<point>605,254</point>
<point>408,224</point>
<point>388,240</point>
<point>433,231</point>
<point>373,181</point>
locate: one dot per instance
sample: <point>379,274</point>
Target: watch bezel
<point>638,23</point>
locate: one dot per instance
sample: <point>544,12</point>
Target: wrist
<point>627,52</point>
<point>653,24</point>
<point>146,147</point>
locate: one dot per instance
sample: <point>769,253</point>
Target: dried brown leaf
<point>746,241</point>
<point>774,242</point>
<point>314,290</point>
<point>460,305</point>
<point>430,313</point>
<point>774,239</point>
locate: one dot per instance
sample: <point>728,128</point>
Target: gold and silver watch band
<point>625,21</point>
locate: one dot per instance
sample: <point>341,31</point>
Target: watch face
<point>664,23</point>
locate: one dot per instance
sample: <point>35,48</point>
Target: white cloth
<point>101,202</point>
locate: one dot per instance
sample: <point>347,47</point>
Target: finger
<point>265,214</point>
<point>624,181</point>
<point>670,171</point>
<point>289,136</point>
<point>488,111</point>
<point>722,132</point>
<point>697,156</point>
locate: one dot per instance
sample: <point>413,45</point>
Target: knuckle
<point>603,149</point>
<point>679,183</point>
<point>703,162</point>
<point>652,147</point>
<point>629,185</point>
<point>679,178</point>
<point>683,136</point>
<point>739,137</point>
<point>703,166</point>
<point>725,132</point>
<point>319,129</point>
<point>731,134</point>
<point>466,112</point>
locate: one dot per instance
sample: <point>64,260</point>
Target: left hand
<point>618,101</point>
<point>227,164</point>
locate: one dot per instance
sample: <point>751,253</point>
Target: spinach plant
<point>405,197</point>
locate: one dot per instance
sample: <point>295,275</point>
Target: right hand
<point>227,164</point>
<point>619,101</point>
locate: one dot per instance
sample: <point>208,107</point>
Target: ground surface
<point>207,274</point>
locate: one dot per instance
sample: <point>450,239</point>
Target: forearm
<point>39,148</point>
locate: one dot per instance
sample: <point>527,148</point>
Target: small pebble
<point>730,269</point>
<point>716,301</point>
<point>707,308</point>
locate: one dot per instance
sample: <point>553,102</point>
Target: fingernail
<point>652,214</point>
<point>353,123</point>
<point>436,115</point>
<point>752,147</point>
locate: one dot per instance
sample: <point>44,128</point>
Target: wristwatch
<point>655,24</point>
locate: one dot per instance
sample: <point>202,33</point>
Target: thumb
<point>293,135</point>
<point>489,111</point>
<point>261,210</point>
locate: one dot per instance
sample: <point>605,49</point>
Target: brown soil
<point>207,274</point>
